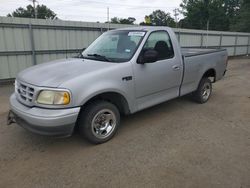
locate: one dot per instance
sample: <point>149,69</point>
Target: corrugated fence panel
<point>26,39</point>
<point>61,39</point>
<point>211,40</point>
<point>2,40</point>
<point>4,67</point>
<point>241,51</point>
<point>52,39</point>
<point>9,37</point>
<point>242,40</point>
<point>79,39</point>
<point>25,42</point>
<point>44,40</point>
<point>228,40</point>
<point>187,40</point>
<point>13,66</point>
<point>230,50</point>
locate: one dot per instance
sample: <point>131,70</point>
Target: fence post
<point>248,45</point>
<point>235,44</point>
<point>179,36</point>
<point>32,45</point>
<point>202,37</point>
<point>220,40</point>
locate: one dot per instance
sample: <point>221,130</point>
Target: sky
<point>96,10</point>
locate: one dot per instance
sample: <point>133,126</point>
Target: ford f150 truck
<point>121,72</point>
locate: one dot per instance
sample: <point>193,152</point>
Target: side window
<point>160,42</point>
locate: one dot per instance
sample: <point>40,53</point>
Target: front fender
<point>84,87</point>
<point>93,90</point>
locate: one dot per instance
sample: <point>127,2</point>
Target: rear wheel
<point>99,121</point>
<point>204,91</point>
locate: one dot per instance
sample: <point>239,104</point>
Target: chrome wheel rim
<point>206,91</point>
<point>103,123</point>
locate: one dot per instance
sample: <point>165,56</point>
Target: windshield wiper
<point>99,56</point>
<point>79,56</point>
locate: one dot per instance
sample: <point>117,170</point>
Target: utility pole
<point>176,18</point>
<point>108,17</point>
<point>34,6</point>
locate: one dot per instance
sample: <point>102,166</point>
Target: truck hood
<point>54,73</point>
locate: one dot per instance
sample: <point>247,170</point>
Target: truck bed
<point>187,52</point>
<point>199,60</point>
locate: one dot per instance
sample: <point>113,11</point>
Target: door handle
<point>176,67</point>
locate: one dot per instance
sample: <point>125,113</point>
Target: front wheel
<point>99,121</point>
<point>204,91</point>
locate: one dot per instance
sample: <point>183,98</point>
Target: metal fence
<point>26,42</point>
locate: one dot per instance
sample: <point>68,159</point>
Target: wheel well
<point>115,98</point>
<point>210,73</point>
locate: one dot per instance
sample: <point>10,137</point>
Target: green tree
<point>43,12</point>
<point>115,20</point>
<point>242,22</point>
<point>129,20</point>
<point>199,12</point>
<point>159,18</point>
<point>218,18</point>
<point>232,8</point>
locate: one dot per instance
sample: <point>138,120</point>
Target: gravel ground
<point>176,144</point>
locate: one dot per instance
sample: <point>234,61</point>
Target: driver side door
<point>158,81</point>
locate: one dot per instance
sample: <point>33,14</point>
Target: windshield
<point>114,46</point>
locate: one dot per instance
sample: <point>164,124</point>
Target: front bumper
<point>50,122</point>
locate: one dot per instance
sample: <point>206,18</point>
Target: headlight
<point>53,97</point>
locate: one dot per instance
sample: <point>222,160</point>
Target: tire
<point>99,121</point>
<point>204,91</point>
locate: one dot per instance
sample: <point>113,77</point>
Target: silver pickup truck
<point>121,72</point>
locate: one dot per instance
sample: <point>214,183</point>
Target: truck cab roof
<point>146,28</point>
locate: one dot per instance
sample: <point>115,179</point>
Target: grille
<point>24,93</point>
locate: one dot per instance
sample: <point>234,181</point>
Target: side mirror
<point>149,56</point>
<point>79,55</point>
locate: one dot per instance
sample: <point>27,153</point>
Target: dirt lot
<point>175,144</point>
